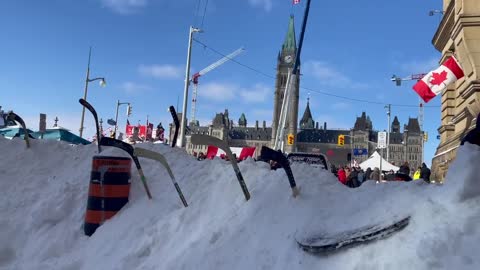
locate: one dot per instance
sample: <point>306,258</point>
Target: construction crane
<point>413,77</point>
<point>204,71</point>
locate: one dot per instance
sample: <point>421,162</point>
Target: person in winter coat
<point>361,176</point>
<point>368,174</point>
<point>417,173</point>
<point>473,136</point>
<point>425,173</point>
<point>405,169</point>
<point>352,179</point>
<point>342,177</point>
<point>375,174</point>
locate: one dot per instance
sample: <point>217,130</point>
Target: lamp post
<point>389,108</point>
<point>88,80</point>
<point>405,140</point>
<point>185,90</point>
<point>116,116</point>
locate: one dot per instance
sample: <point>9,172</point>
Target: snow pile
<point>44,194</point>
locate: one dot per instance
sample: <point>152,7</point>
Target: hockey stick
<point>14,117</point>
<point>177,124</point>
<point>140,152</point>
<point>270,154</point>
<point>92,110</point>
<point>106,141</point>
<point>209,140</point>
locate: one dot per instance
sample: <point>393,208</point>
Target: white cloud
<point>258,93</point>
<point>125,6</point>
<point>217,91</point>
<point>328,75</point>
<point>132,87</point>
<point>422,66</point>
<point>265,4</point>
<point>161,71</point>
<point>341,106</point>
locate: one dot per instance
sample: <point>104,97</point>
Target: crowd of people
<point>354,176</point>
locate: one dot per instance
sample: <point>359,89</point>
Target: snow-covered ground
<point>44,193</point>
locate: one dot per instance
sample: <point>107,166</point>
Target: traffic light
<point>129,110</point>
<point>341,140</point>
<point>425,136</point>
<point>290,139</point>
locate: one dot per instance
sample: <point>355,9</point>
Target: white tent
<point>374,161</point>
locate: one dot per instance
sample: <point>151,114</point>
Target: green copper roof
<point>290,42</point>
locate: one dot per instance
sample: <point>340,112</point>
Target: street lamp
<point>436,11</point>
<point>129,110</point>
<point>103,83</point>
<point>405,141</point>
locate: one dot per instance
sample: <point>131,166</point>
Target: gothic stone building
<point>458,34</point>
<point>310,137</point>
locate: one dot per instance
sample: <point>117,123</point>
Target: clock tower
<point>285,62</point>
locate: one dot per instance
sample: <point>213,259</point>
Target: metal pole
<point>116,119</point>
<point>388,133</point>
<point>185,91</point>
<point>85,92</point>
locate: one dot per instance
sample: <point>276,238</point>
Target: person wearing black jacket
<point>425,173</point>
<point>473,136</point>
<point>405,169</point>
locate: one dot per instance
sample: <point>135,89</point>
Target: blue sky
<point>351,49</point>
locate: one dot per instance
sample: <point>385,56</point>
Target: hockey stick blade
<point>201,139</point>
<point>94,113</point>
<point>141,152</point>
<point>106,141</point>
<point>13,116</point>
<point>270,154</point>
<point>177,124</point>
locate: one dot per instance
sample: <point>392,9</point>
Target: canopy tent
<point>374,161</point>
<point>60,134</point>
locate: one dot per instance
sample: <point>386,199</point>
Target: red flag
<point>436,81</point>
<point>296,2</point>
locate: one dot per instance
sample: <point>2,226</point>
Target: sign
<point>290,139</point>
<point>382,139</point>
<point>360,152</point>
<point>341,140</point>
<point>111,122</point>
<point>316,160</point>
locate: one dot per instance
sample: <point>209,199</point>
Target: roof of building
<point>363,123</point>
<point>290,43</point>
<point>322,136</point>
<point>307,120</point>
<point>250,133</point>
<point>413,125</point>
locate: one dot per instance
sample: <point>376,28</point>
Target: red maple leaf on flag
<point>438,78</point>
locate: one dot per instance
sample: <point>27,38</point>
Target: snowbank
<point>44,194</point>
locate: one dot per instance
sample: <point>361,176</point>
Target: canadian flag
<point>436,81</point>
<point>241,152</point>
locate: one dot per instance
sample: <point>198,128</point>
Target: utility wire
<point>204,12</point>
<point>196,12</point>
<point>310,89</point>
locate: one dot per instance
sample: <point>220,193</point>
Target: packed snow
<point>44,194</point>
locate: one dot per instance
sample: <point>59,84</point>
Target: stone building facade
<point>310,137</point>
<point>458,34</point>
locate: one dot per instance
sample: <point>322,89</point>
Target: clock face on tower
<point>288,59</point>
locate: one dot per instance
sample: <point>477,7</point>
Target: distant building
<point>310,137</point>
<point>458,34</point>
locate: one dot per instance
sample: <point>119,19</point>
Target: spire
<point>307,119</point>
<point>242,122</point>
<point>290,43</point>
